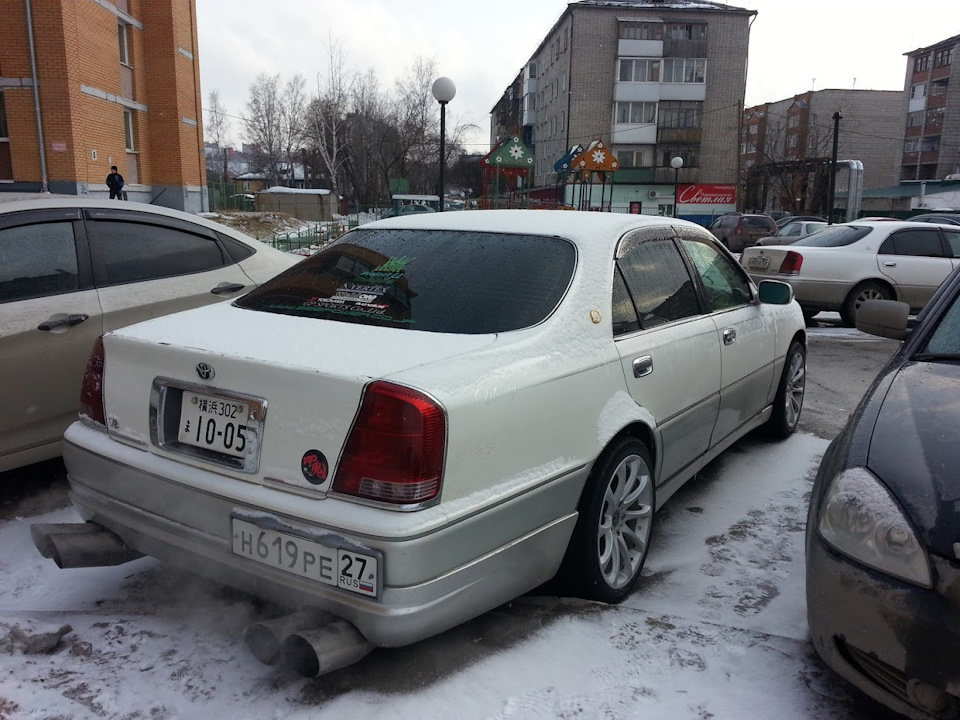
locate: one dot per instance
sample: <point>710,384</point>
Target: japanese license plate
<point>356,572</point>
<point>213,423</point>
<point>759,262</point>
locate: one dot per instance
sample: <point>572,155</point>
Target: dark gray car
<point>883,531</point>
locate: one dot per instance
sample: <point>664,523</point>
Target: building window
<point>124,47</point>
<point>939,87</point>
<point>918,91</point>
<point>639,70</point>
<point>942,57</point>
<point>532,70</point>
<point>684,70</point>
<point>641,31</point>
<point>4,133</point>
<point>689,153</point>
<point>921,63</point>
<point>636,113</point>
<point>934,116</point>
<point>636,157</point>
<point>686,31</point>
<point>911,145</point>
<point>128,129</point>
<point>680,114</point>
<point>915,119</point>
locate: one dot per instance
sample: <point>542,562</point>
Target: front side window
<point>133,251</point>
<point>447,281</point>
<point>37,260</point>
<point>723,282</point>
<point>658,282</point>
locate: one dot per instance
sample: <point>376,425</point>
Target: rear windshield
<point>434,280</point>
<point>834,236</point>
<point>761,222</point>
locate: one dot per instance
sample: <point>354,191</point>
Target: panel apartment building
<point>786,147</point>
<point>652,79</point>
<point>931,139</point>
<point>86,84</point>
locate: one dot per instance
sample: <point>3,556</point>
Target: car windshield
<point>835,236</point>
<point>448,281</point>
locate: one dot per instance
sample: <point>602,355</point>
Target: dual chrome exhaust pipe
<point>310,642</point>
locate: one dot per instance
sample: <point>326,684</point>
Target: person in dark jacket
<point>115,183</point>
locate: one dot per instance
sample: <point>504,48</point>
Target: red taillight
<point>91,392</point>
<point>791,263</point>
<point>395,449</point>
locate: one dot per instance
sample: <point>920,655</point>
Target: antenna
<point>854,84</point>
<point>813,84</point>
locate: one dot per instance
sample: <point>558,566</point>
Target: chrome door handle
<point>889,264</point>
<point>642,366</point>
<point>729,336</point>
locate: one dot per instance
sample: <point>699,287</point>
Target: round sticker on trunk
<point>314,466</point>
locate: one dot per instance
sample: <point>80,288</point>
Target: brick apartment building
<point>652,80</point>
<point>931,138</point>
<point>786,147</point>
<point>115,83</point>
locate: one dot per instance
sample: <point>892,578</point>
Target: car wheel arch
<point>859,286</point>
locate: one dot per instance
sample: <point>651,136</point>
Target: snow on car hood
<point>915,449</point>
<point>269,338</point>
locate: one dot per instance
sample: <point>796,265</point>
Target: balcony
<point>683,136</point>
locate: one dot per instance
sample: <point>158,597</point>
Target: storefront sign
<point>706,194</point>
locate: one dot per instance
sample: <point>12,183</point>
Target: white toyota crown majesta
<point>428,418</point>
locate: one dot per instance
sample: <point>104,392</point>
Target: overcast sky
<point>794,47</point>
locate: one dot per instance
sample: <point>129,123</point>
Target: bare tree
<point>327,123</point>
<point>264,126</point>
<point>217,127</point>
<point>293,114</point>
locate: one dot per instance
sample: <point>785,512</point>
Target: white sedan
<point>840,267</point>
<point>428,418</point>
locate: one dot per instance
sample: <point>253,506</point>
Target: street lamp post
<point>443,91</point>
<point>676,163</point>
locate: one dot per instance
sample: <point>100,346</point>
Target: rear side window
<point>835,236</point>
<point>918,243</point>
<point>132,251</point>
<point>433,280</point>
<point>953,240</point>
<point>659,283</point>
<point>37,260</point>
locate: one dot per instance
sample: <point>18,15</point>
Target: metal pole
<point>36,100</point>
<point>443,135</point>
<point>837,117</point>
<point>676,184</point>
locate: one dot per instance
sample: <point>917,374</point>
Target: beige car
<point>840,267</point>
<point>71,270</point>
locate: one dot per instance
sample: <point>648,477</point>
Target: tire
<point>809,313</point>
<point>612,537</point>
<point>789,400</point>
<point>867,290</point>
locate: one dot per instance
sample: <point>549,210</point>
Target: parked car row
<point>439,412</point>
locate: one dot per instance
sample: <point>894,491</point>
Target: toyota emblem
<point>206,372</point>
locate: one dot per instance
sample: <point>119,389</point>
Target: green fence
<point>228,196</point>
<point>310,239</point>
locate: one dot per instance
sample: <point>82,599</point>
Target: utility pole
<point>837,117</point>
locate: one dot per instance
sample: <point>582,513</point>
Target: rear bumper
<point>430,581</point>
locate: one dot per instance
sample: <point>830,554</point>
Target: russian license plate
<point>759,262</point>
<point>341,568</point>
<point>213,423</point>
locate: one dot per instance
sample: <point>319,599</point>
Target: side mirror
<point>884,318</point>
<point>774,292</point>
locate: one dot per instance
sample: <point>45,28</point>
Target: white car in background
<point>840,267</point>
<point>71,270</point>
<point>428,418</point>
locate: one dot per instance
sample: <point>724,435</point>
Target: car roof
<point>586,229</point>
<point>61,201</point>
